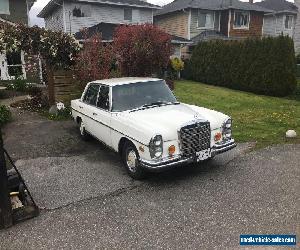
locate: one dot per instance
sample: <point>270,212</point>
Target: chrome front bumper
<point>178,160</point>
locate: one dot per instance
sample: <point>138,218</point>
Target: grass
<point>256,118</point>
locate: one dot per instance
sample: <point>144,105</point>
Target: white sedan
<point>141,119</point>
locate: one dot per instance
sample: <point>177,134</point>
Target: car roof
<point>125,80</point>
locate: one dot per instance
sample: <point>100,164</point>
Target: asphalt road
<point>89,202</point>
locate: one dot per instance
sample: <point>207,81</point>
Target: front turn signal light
<point>172,150</point>
<point>218,136</point>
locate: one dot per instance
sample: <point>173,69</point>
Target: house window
<point>82,11</point>
<point>14,64</point>
<point>288,22</point>
<point>205,20</point>
<point>241,19</point>
<point>4,7</point>
<point>128,15</point>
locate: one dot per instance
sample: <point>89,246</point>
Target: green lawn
<point>256,118</point>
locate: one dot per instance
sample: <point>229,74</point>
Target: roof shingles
<point>278,5</point>
<point>210,5</point>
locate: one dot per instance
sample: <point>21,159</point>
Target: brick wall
<point>255,26</point>
<point>175,23</point>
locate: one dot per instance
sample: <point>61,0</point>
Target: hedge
<point>263,66</point>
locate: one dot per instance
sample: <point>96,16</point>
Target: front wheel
<point>84,135</point>
<point>130,159</point>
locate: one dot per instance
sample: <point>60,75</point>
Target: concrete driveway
<point>88,201</point>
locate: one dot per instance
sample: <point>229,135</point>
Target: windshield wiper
<point>159,103</point>
<point>153,104</point>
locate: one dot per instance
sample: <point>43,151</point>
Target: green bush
<point>18,85</point>
<point>263,66</point>
<point>64,114</point>
<point>298,70</point>
<point>5,115</point>
<point>298,58</point>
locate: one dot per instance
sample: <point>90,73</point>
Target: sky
<point>37,7</point>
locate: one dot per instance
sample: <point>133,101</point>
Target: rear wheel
<point>84,135</point>
<point>130,159</point>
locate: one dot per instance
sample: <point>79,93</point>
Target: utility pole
<point>5,204</point>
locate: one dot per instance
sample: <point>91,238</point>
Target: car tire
<point>130,158</point>
<point>84,135</point>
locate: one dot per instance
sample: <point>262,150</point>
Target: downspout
<point>189,24</point>
<point>229,23</point>
<point>64,17</point>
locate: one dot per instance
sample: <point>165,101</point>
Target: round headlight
<point>226,129</point>
<point>228,123</point>
<point>156,146</point>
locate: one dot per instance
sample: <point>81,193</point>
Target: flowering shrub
<point>18,85</point>
<point>142,50</point>
<point>94,60</point>
<point>57,49</point>
<point>177,64</point>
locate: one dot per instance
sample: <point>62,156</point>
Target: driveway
<point>88,201</point>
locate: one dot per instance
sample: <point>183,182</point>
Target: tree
<point>142,50</point>
<point>56,49</point>
<point>94,60</point>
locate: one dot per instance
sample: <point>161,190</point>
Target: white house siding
<point>102,13</point>
<point>297,29</point>
<point>194,23</point>
<point>269,25</point>
<point>274,25</point>
<point>55,21</point>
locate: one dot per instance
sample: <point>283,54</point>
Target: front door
<point>88,104</point>
<point>101,116</point>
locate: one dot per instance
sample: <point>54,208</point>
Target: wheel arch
<point>78,119</point>
<point>121,144</point>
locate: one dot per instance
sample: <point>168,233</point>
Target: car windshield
<point>141,95</point>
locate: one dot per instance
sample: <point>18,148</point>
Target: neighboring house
<point>71,16</point>
<point>297,29</point>
<point>200,20</point>
<point>106,30</point>
<point>282,20</point>
<point>12,65</point>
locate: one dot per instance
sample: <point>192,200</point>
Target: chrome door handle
<point>80,107</point>
<point>95,114</point>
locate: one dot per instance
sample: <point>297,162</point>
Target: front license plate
<point>203,155</point>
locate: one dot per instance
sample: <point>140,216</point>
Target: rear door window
<point>103,98</point>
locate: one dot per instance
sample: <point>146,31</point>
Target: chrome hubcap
<point>131,160</point>
<point>81,128</point>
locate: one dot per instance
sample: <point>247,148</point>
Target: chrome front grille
<point>194,138</point>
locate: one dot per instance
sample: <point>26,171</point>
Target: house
<point>282,20</point>
<point>200,20</point>
<point>71,16</point>
<point>13,64</point>
<point>297,29</point>
<point>106,30</point>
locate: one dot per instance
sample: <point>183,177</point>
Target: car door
<point>101,116</point>
<point>87,106</point>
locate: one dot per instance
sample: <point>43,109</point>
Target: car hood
<point>167,120</point>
